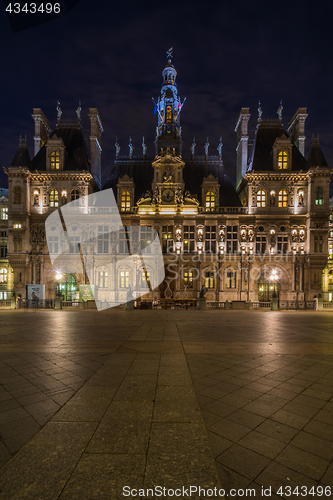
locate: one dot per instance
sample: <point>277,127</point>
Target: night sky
<point>228,55</point>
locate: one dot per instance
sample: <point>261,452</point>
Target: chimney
<point>242,144</point>
<point>95,145</point>
<point>42,129</point>
<point>296,129</point>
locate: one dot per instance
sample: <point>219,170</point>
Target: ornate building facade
<point>266,238</point>
<point>6,272</point>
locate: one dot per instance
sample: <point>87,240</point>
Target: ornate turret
<point>168,131</point>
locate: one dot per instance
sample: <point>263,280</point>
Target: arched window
<point>230,278</point>
<point>3,275</point>
<point>75,195</point>
<point>17,195</point>
<point>261,198</point>
<point>125,205</point>
<point>188,278</point>
<point>283,198</point>
<point>283,160</point>
<point>209,279</point>
<point>168,114</point>
<point>145,279</point>
<point>55,160</point>
<point>54,198</point>
<point>319,196</point>
<point>124,279</point>
<point>210,201</point>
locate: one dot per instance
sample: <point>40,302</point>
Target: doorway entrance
<point>67,287</point>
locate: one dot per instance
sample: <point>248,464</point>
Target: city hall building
<point>267,237</point>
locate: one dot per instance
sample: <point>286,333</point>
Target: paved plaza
<point>110,405</point>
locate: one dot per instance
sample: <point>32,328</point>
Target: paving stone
<point>301,461</point>
<point>41,470</point>
<point>291,419</point>
<point>104,477</point>
<point>313,444</point>
<point>264,445</point>
<point>229,430</point>
<point>243,461</point>
<point>277,430</point>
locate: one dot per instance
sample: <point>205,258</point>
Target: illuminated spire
<point>168,108</point>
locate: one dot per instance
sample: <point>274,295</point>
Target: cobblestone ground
<point>91,402</point>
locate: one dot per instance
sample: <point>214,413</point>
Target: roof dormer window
<point>283,160</point>
<point>55,161</point>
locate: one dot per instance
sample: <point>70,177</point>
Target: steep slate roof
<point>316,157</point>
<point>194,172</point>
<point>22,157</point>
<point>141,170</point>
<point>76,153</point>
<point>261,158</point>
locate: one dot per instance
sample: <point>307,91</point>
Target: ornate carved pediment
<point>168,158</point>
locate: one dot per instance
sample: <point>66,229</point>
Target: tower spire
<point>167,108</point>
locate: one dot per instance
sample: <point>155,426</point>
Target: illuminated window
<point>232,239</point>
<point>103,278</point>
<point>283,198</point>
<point>209,279</point>
<point>17,225</point>
<point>282,244</point>
<point>55,160</point>
<point>124,279</point>
<point>188,278</point>
<point>4,213</point>
<point>283,160</point>
<point>319,196</point>
<point>261,244</point>
<point>168,114</point>
<point>210,201</point>
<point>230,278</point>
<point>167,239</point>
<point>145,279</point>
<point>261,198</point>
<point>189,239</point>
<point>210,239</point>
<point>3,275</point>
<point>17,195</point>
<point>125,205</point>
<point>54,198</point>
<point>75,195</point>
<point>330,251</point>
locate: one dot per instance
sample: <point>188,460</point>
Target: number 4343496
<point>32,8</point>
<point>304,491</point>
